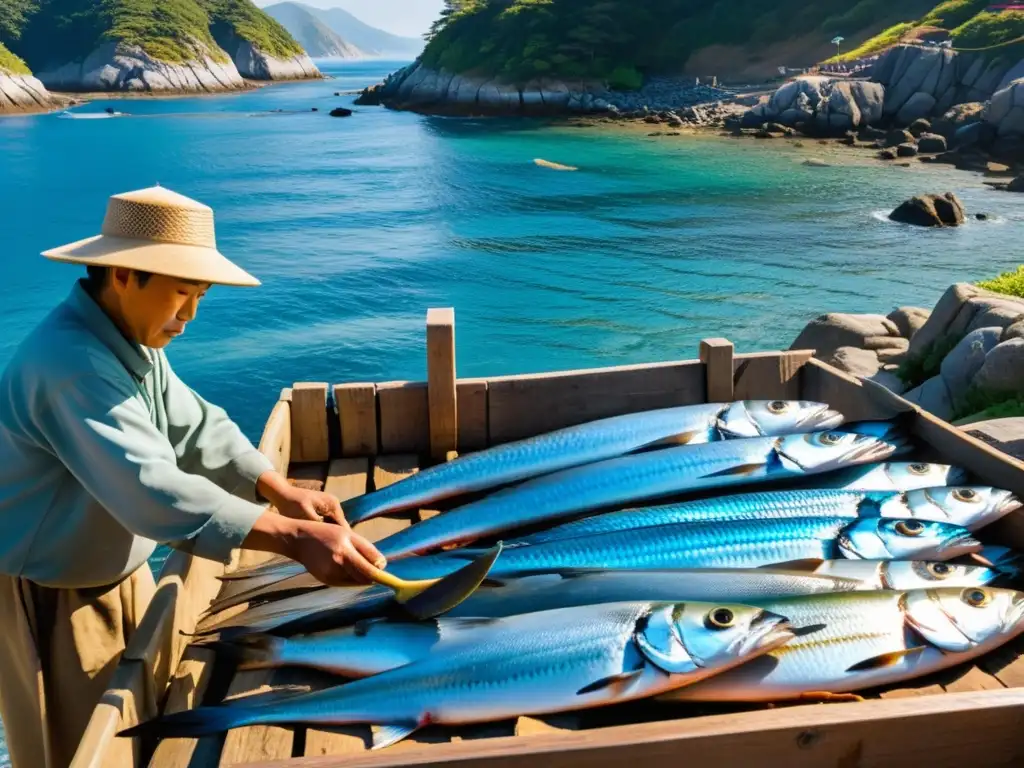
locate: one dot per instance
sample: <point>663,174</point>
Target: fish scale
<point>625,480</point>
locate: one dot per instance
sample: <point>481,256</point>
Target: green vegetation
<point>981,405</point>
<point>248,22</point>
<point>917,369</point>
<point>622,40</point>
<point>1010,283</point>
<point>969,24</point>
<point>47,33</point>
<point>12,64</point>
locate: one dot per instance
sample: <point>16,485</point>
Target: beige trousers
<point>58,650</point>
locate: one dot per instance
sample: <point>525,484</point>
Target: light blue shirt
<point>105,453</point>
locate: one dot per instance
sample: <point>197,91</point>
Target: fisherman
<point>105,453</point>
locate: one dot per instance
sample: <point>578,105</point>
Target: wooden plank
<point>472,394</point>
<point>770,375</point>
<point>309,422</point>
<point>523,406</point>
<point>404,425</point>
<point>825,384</point>
<point>969,678</point>
<point>442,413</point>
<point>276,443</point>
<point>357,416</point>
<point>346,479</point>
<point>261,742</point>
<point>191,680</point>
<point>128,700</point>
<point>979,729</point>
<point>716,354</point>
<point>388,470</point>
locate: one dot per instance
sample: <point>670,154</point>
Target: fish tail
<point>192,723</point>
<point>254,651</point>
<point>362,508</point>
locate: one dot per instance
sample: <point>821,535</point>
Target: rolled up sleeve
<point>103,434</point>
<point>211,444</point>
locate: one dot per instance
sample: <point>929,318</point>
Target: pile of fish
<point>748,552</point>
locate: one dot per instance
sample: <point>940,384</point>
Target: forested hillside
<point>621,40</point>
<point>50,32</point>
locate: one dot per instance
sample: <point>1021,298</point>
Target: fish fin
<point>810,629</point>
<point>386,734</point>
<point>469,622</point>
<point>191,723</point>
<point>444,594</point>
<point>807,565</point>
<point>255,651</point>
<point>887,659</point>
<point>623,679</point>
<point>742,469</point>
<point>683,438</point>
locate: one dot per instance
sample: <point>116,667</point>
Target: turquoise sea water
<point>356,226</point>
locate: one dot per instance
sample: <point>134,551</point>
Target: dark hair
<point>96,278</point>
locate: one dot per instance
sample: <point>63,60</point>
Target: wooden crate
<point>370,435</point>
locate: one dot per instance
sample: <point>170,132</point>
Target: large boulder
<point>898,136</point>
<point>957,117</point>
<point>828,333</point>
<point>1003,370</point>
<point>931,143</point>
<point>1006,110</point>
<point>906,150</point>
<point>934,397</point>
<point>24,93</point>
<point>961,365</point>
<point>862,363</point>
<point>987,310</point>
<point>909,320</point>
<point>930,211</point>
<point>917,66</point>
<point>918,106</point>
<point>1017,185</point>
<point>936,328</point>
<point>975,135</point>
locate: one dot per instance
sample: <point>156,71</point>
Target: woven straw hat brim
<point>186,262</point>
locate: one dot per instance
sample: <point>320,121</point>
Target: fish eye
<point>918,469</point>
<point>939,570</point>
<point>778,406</point>
<point>977,598</point>
<point>965,494</point>
<point>721,618</point>
<point>831,438</point>
<point>910,527</point>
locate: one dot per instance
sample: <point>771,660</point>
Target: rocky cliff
<point>191,46</point>
<point>318,39</point>
<point>24,93</point>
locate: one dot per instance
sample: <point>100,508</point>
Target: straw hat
<point>159,231</point>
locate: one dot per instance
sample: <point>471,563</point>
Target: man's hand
<point>299,503</point>
<point>333,554</point>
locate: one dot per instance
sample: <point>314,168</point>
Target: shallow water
<point>356,226</point>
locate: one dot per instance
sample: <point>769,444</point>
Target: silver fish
<point>590,442</point>
<point>893,476</point>
<point>636,478</point>
<point>871,639</point>
<point>532,664</point>
<point>969,507</point>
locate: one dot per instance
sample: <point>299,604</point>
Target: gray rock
<point>918,106</point>
<point>828,333</point>
<point>1006,435</point>
<point>961,365</point>
<point>990,79</point>
<point>23,93</point>
<point>890,381</point>
<point>931,143</point>
<point>870,98</point>
<point>906,150</point>
<point>862,363</point>
<point>919,127</point>
<point>987,311</point>
<point>980,134</point>
<point>896,137</point>
<point>895,350</point>
<point>944,313</point>
<point>933,396</point>
<point>1003,370</point>
<point>909,320</point>
<point>904,86</point>
<point>1016,72</point>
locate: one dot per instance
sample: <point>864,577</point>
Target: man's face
<point>157,313</point>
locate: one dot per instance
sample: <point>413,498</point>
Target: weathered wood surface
<point>717,355</point>
<point>310,442</point>
<point>442,402</point>
<point>978,729</point>
<point>261,742</point>
<point>357,417</point>
<point>769,375</point>
<point>523,406</point>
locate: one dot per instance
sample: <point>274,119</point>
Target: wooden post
<point>716,354</point>
<point>441,394</point>
<point>357,414</point>
<point>309,423</point>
